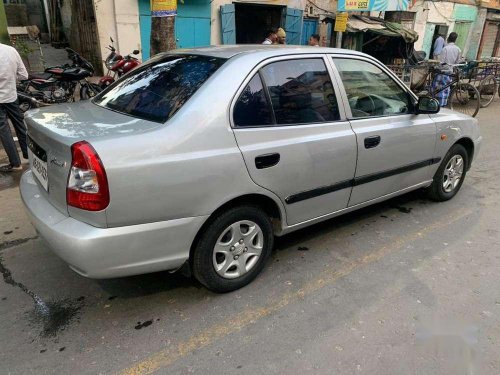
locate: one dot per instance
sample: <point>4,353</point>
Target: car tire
<point>233,249</point>
<point>450,175</point>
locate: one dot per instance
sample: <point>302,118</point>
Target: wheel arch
<point>266,203</point>
<point>468,144</point>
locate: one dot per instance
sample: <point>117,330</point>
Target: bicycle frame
<point>455,78</point>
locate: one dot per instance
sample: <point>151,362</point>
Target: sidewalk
<point>49,56</point>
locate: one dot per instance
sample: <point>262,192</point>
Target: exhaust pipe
<point>27,98</point>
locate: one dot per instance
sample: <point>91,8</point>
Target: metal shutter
<point>489,37</point>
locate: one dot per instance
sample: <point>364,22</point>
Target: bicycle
<point>489,81</point>
<point>464,97</point>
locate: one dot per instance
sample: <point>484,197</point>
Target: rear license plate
<point>39,163</point>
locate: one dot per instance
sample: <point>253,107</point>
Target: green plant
<point>23,49</point>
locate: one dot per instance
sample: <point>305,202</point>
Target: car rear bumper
<point>109,252</point>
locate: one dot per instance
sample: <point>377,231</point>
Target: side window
<point>370,91</point>
<point>301,91</point>
<point>252,107</point>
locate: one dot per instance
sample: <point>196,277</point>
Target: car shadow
<point>160,282</point>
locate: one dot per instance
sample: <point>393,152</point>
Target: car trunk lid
<point>52,131</point>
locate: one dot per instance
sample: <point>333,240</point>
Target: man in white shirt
<point>314,40</point>
<point>11,68</point>
<point>271,37</point>
<point>450,55</point>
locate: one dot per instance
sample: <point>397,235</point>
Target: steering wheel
<point>366,104</point>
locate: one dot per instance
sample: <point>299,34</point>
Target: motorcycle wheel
<point>89,91</point>
<point>25,105</point>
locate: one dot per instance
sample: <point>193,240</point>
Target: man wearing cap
<point>281,36</point>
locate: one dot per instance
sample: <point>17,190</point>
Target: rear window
<point>159,88</point>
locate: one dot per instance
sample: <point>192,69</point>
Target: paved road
<point>404,287</point>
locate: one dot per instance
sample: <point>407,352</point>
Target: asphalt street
<point>408,286</point>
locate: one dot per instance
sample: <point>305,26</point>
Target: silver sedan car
<point>199,158</point>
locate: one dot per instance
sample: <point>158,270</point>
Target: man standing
<point>11,67</point>
<point>438,46</point>
<point>450,55</point>
<point>314,40</point>
<point>281,36</point>
<point>271,37</point>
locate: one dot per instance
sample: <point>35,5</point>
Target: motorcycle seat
<point>54,70</point>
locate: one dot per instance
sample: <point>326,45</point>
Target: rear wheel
<point>464,98</point>
<point>450,175</point>
<point>487,90</point>
<point>25,105</point>
<point>233,249</point>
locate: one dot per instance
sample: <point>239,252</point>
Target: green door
<point>427,43</point>
<point>462,29</point>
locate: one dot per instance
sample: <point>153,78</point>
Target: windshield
<point>158,89</point>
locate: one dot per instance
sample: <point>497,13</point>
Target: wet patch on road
<point>6,181</point>
<point>19,241</point>
<point>53,316</point>
<point>405,210</point>
<point>147,323</point>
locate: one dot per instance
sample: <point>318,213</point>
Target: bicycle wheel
<point>487,90</point>
<point>464,98</point>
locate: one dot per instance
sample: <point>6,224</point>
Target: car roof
<point>228,51</point>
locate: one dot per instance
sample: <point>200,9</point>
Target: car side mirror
<point>135,52</point>
<point>427,105</point>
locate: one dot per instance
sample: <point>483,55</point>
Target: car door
<point>395,145</point>
<point>295,139</point>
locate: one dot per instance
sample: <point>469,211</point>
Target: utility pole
<point>338,39</point>
<point>4,34</point>
<point>162,26</point>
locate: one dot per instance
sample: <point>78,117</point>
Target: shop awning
<point>378,26</point>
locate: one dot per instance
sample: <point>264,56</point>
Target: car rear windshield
<point>159,88</point>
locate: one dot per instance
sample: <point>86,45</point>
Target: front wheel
<point>450,175</point>
<point>233,249</point>
<point>464,98</point>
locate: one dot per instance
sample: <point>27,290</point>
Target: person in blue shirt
<point>438,46</point>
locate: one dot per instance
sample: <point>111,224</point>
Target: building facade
<point>490,38</point>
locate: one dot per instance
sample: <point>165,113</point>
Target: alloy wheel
<point>453,173</point>
<point>238,249</point>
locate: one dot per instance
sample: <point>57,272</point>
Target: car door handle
<point>267,160</point>
<point>371,142</point>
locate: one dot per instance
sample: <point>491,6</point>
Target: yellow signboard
<point>163,8</point>
<point>356,4</point>
<point>340,22</point>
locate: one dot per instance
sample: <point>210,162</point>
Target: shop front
<point>490,41</point>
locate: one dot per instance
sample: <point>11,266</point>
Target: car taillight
<point>87,183</point>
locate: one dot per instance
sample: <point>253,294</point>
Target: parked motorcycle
<point>61,84</point>
<point>117,65</point>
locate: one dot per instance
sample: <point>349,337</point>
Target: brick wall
<point>17,14</point>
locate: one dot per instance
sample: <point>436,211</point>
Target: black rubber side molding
<point>358,181</point>
<point>267,160</point>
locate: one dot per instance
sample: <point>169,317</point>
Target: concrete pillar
<point>4,35</point>
<point>475,35</point>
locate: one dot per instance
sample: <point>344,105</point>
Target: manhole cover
<point>5,181</point>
